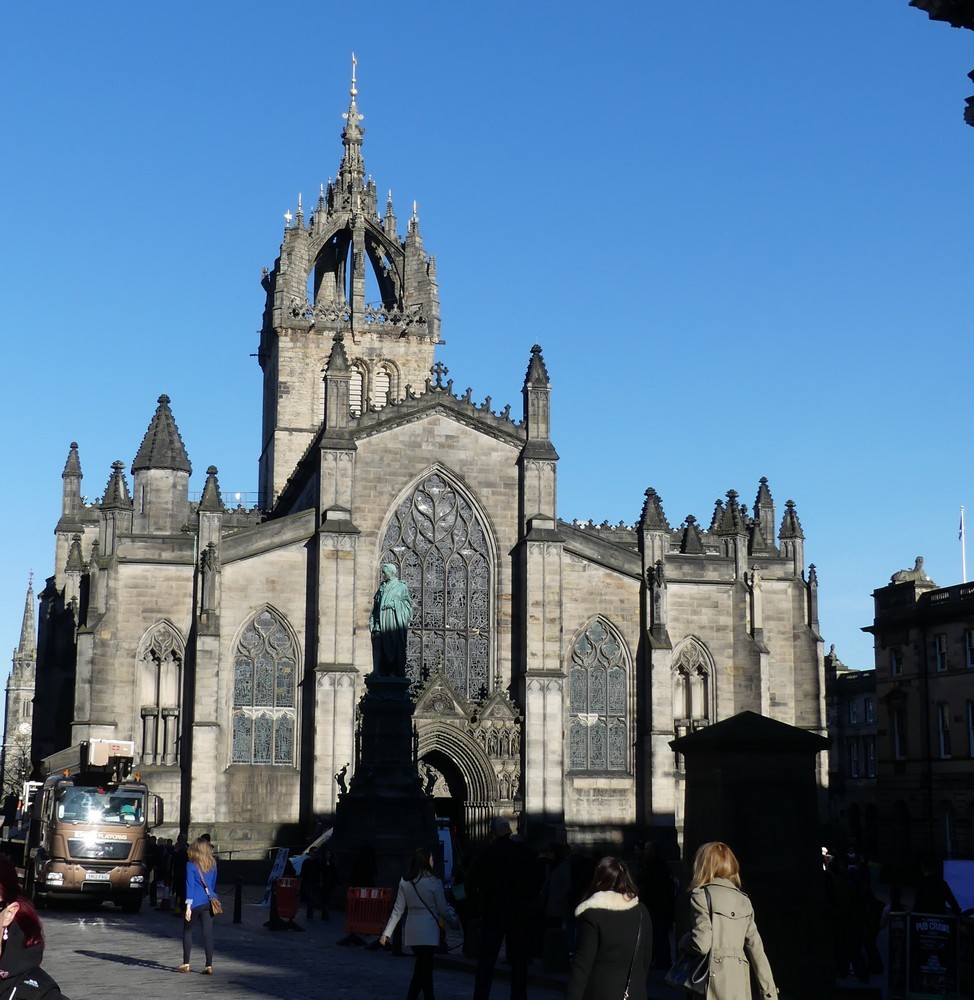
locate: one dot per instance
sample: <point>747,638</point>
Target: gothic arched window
<point>264,692</point>
<point>356,391</point>
<point>160,686</point>
<point>692,691</point>
<point>598,701</point>
<point>439,545</point>
<point>381,384</point>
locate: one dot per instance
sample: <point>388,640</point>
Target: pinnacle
<point>790,525</point>
<point>211,501</point>
<point>652,517</point>
<point>72,467</point>
<point>117,490</point>
<point>162,447</point>
<point>537,375</point>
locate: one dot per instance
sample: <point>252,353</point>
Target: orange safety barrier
<point>367,910</point>
<point>286,892</point>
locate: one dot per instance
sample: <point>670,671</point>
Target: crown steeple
<point>351,173</point>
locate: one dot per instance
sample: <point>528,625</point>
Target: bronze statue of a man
<point>392,610</point>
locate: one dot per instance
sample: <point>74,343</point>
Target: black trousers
<point>492,934</point>
<point>205,918</point>
<point>422,981</point>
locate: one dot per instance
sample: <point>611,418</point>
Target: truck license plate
<point>97,877</point>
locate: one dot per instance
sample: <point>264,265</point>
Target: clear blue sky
<point>741,233</point>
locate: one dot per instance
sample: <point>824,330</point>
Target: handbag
<point>690,972</point>
<point>216,907</point>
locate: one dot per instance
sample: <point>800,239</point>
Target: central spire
<point>352,170</point>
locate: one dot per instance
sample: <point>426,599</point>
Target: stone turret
<point>161,472</point>
<point>539,459</point>
<point>762,530</point>
<point>792,538</point>
<point>318,288</point>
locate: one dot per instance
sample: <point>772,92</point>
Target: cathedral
<point>551,663</point>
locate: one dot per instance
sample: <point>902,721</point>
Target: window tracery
<point>160,688</point>
<point>437,541</point>
<point>598,696</point>
<point>692,691</point>
<point>264,686</point>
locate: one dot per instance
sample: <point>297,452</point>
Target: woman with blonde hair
<point>724,928</point>
<point>200,889</point>
<point>615,938</point>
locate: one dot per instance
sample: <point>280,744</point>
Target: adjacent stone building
<point>852,718</point>
<point>552,662</point>
<point>19,705</point>
<point>924,642</point>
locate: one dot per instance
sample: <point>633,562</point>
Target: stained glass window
<point>440,547</point>
<point>598,702</point>
<point>264,676</point>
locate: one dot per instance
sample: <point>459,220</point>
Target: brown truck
<point>89,825</point>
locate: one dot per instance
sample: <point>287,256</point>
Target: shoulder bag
<point>690,972</point>
<point>635,952</point>
<point>216,907</point>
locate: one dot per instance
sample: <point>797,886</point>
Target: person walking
<point>22,944</point>
<point>614,945</point>
<point>504,881</point>
<point>724,927</point>
<point>200,888</point>
<point>422,899</point>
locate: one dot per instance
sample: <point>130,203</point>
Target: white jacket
<point>424,904</point>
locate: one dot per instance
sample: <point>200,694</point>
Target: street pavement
<point>100,952</point>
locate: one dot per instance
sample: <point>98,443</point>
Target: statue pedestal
<point>385,806</point>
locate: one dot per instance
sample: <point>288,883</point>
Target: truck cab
<point>89,830</point>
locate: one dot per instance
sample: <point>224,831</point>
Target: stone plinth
<point>385,806</point>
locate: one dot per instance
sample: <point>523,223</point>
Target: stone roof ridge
<point>537,373</point>
<point>72,467</point>
<point>436,389</point>
<point>117,491</point>
<point>28,629</point>
<point>790,525</point>
<point>211,501</point>
<point>590,525</point>
<point>162,447</point>
<point>652,517</point>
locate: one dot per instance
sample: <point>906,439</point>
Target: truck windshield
<point>95,806</point>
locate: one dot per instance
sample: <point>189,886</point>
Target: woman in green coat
<point>724,927</point>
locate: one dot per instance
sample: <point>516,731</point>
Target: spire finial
<point>354,91</point>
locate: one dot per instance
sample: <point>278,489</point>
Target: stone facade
<point>551,663</point>
<point>924,643</point>
<point>852,715</point>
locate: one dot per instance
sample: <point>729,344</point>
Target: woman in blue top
<point>200,887</point>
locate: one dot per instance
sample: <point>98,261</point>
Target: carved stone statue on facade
<point>392,610</point>
<point>340,779</point>
<point>916,575</point>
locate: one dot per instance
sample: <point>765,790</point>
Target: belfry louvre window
<point>437,541</point>
<point>264,670</point>
<point>598,702</point>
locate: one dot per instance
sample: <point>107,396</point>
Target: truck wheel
<point>133,904</point>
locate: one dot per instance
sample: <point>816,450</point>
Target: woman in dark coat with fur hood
<point>615,938</point>
<point>22,944</point>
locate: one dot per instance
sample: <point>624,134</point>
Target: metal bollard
<point>237,900</point>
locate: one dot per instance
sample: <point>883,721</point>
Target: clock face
<point>24,728</point>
